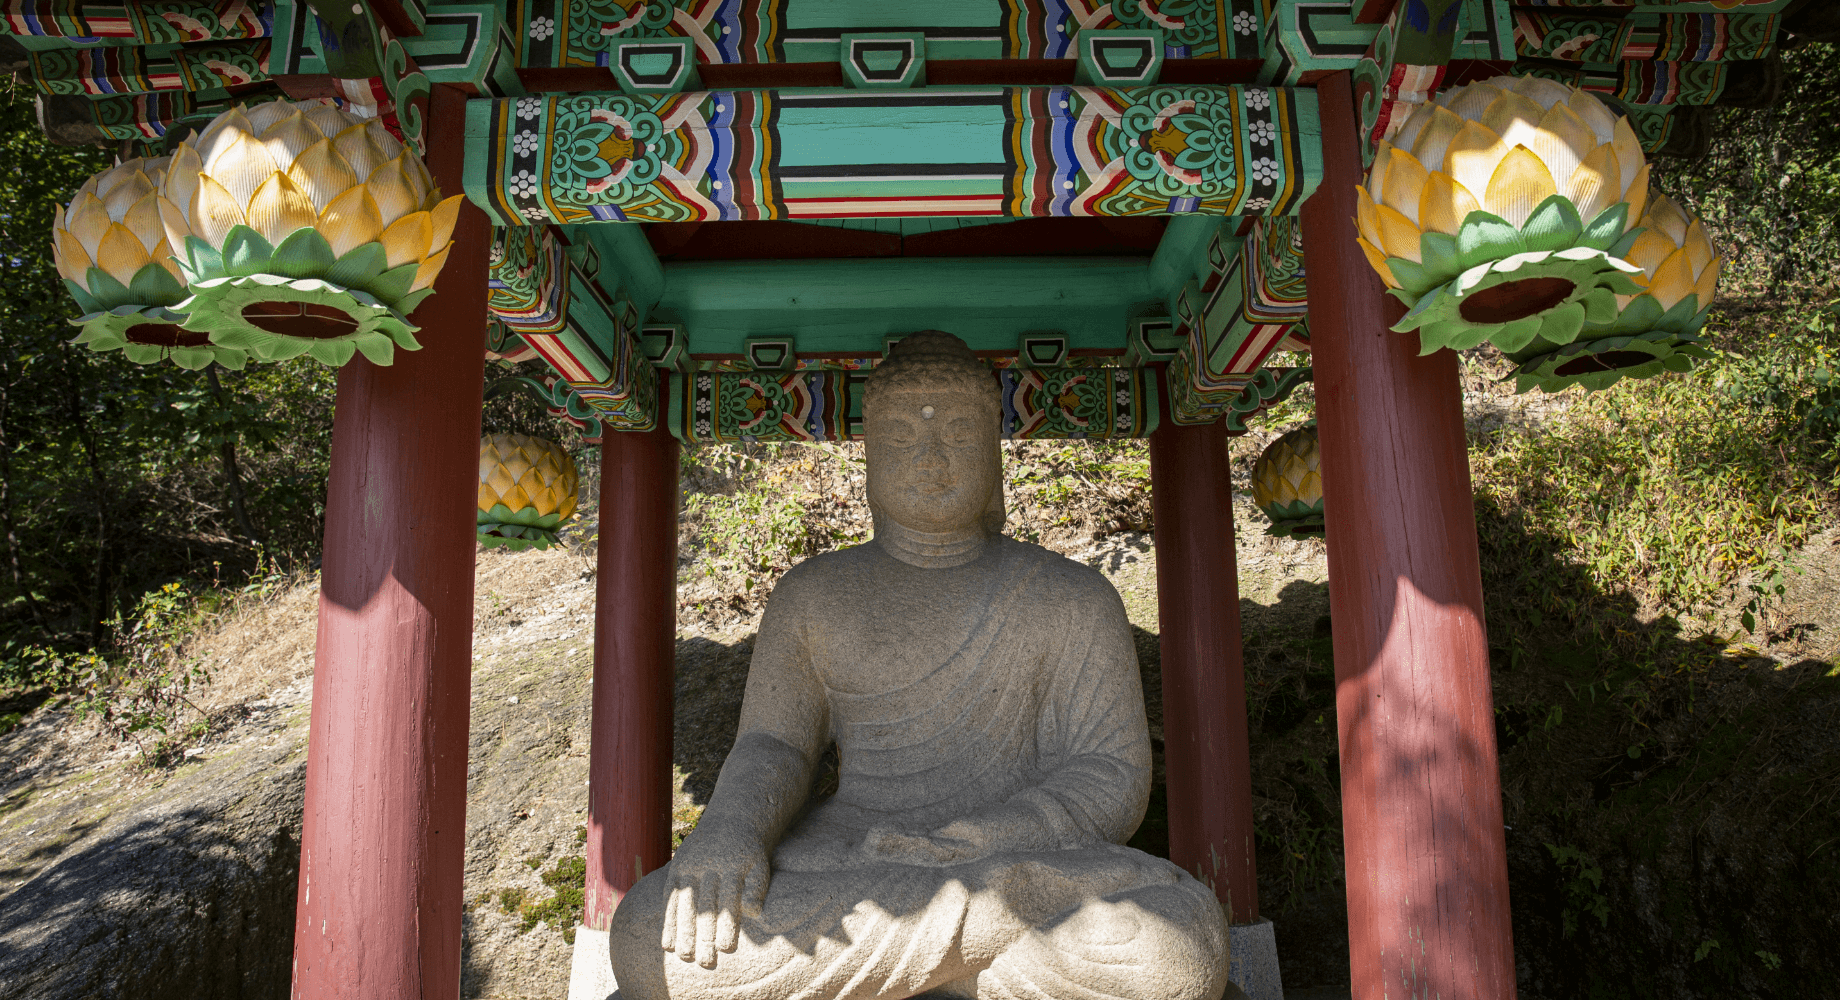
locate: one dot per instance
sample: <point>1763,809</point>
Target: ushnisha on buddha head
<point>931,420</point>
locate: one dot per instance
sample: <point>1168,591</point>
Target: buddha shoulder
<point>1071,583</point>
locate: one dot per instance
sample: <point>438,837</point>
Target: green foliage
<point>117,478</point>
<point>1769,188</point>
<point>1675,487</point>
<point>1584,882</point>
<point>569,880</point>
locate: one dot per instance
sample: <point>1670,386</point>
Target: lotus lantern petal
<point>305,229</point>
<point>116,259</point>
<point>1654,331</point>
<point>527,490</point>
<point>1500,213</point>
<point>1287,484</point>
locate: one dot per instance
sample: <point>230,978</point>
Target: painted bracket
<point>1041,350</point>
<point>1119,58</point>
<point>654,66</point>
<point>771,354</point>
<point>1234,318</point>
<point>884,60</point>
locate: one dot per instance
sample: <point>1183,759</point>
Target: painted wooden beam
<point>582,32</point>
<point>848,306</point>
<point>1427,871</point>
<point>965,151</point>
<point>811,405</point>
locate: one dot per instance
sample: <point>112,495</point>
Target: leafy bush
<point>1676,487</point>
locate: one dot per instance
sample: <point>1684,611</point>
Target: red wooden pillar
<point>384,832</point>
<point>629,760</point>
<point>1205,750</point>
<point>1421,792</point>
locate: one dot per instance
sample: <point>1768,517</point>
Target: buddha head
<point>931,421</point>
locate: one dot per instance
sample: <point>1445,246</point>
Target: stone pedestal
<point>1252,960</point>
<point>590,970</point>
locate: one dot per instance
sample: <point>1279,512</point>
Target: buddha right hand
<point>717,876</point>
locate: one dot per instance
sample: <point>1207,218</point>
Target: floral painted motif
<point>1175,142</point>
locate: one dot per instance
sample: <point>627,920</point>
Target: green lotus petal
<point>155,285</point>
<point>1622,246</point>
<point>526,516</point>
<point>1518,334</point>
<point>204,260</point>
<point>1642,313</point>
<point>1424,305</point>
<point>233,360</point>
<point>404,335</point>
<point>1560,326</point>
<point>332,353</point>
<point>1599,306</point>
<point>360,266</point>
<point>1681,314</point>
<point>1484,237</point>
<point>85,301</point>
<point>284,348</point>
<point>303,254</point>
<point>105,289</point>
<point>394,283</point>
<point>1438,255</point>
<point>1603,232</point>
<point>246,252</point>
<point>191,358</point>
<point>1553,225</point>
<point>377,349</point>
<point>1410,276</point>
<point>407,303</point>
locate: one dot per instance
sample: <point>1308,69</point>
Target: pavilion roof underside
<point>1067,185</point>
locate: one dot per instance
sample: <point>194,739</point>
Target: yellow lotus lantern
<point>1501,211</point>
<point>527,490</point>
<point>1287,484</point>
<point>1655,331</point>
<point>112,252</point>
<point>304,229</point>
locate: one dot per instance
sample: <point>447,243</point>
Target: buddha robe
<point>1009,681</point>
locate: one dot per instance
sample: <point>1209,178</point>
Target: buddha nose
<point>931,460</point>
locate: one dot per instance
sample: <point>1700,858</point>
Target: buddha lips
<point>1517,212</point>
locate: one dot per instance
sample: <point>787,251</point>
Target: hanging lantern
<point>1501,213</point>
<point>304,229</point>
<point>526,491</point>
<point>1287,485</point>
<point>112,251</point>
<point>1654,332</point>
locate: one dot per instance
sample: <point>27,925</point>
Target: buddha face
<point>933,458</point>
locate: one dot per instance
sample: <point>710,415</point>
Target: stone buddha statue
<point>983,698</point>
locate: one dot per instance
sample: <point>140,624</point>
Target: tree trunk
<point>87,434</point>
<point>6,515</point>
<point>226,452</point>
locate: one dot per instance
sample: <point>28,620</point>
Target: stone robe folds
<point>1007,686</point>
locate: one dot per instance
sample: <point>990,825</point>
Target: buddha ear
<point>995,515</point>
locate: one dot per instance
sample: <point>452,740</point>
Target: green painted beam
<point>627,262</point>
<point>846,307</point>
<point>1017,152</point>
